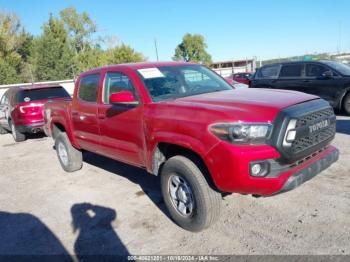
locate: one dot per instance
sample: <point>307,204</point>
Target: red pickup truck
<point>185,123</point>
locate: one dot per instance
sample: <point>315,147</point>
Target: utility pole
<point>156,48</point>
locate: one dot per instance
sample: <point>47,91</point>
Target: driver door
<point>317,84</point>
<point>121,125</point>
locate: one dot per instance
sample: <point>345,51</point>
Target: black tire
<point>74,158</point>
<point>207,201</point>
<point>3,131</point>
<point>17,136</point>
<point>346,104</point>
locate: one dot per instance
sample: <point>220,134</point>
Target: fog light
<point>259,169</point>
<point>256,168</point>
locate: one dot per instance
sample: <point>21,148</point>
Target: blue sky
<point>233,29</point>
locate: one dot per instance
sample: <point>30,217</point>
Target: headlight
<point>242,133</point>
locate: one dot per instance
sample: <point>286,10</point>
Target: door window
<point>116,82</point>
<point>314,70</point>
<point>2,101</point>
<point>291,70</point>
<point>88,88</point>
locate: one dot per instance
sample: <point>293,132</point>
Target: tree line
<point>68,45</point>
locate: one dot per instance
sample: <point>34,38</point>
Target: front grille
<point>307,142</point>
<point>307,139</point>
<point>315,116</point>
<point>303,129</point>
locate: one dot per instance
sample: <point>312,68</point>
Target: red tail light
<point>31,109</point>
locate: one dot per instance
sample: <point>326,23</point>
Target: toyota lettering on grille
<point>320,125</point>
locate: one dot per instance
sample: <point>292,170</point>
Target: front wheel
<point>191,202</point>
<point>346,104</point>
<point>71,159</point>
<point>17,136</point>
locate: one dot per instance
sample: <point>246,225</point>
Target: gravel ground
<point>112,208</point>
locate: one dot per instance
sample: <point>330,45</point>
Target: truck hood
<point>253,104</point>
<point>274,98</point>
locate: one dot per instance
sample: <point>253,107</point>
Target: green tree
<point>90,58</point>
<point>192,49</point>
<point>8,73</point>
<point>123,54</point>
<point>14,49</point>
<point>52,56</point>
<point>67,46</point>
<point>80,28</point>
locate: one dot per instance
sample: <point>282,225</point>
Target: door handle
<point>81,117</point>
<point>100,116</point>
<point>306,81</point>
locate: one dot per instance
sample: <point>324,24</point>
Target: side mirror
<point>122,97</point>
<point>328,74</point>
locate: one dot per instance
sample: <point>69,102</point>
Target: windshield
<point>171,82</point>
<point>41,94</point>
<point>341,68</point>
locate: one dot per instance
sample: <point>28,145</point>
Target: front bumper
<point>310,171</point>
<point>230,168</point>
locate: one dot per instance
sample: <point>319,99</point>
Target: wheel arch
<point>165,150</point>
<point>58,127</point>
<point>345,93</point>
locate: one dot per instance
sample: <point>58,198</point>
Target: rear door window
<point>269,72</point>
<point>42,94</point>
<point>291,71</point>
<point>88,88</point>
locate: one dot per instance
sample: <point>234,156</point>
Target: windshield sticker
<point>26,99</point>
<point>150,73</point>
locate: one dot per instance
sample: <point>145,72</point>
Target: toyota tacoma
<point>186,124</point>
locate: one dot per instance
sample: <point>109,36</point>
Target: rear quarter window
<point>41,94</point>
<point>268,72</point>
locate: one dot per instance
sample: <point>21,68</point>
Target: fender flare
<point>181,140</point>
<point>68,131</point>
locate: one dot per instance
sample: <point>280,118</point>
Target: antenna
<point>156,47</point>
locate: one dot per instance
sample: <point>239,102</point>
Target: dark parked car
<point>327,79</point>
<point>21,108</point>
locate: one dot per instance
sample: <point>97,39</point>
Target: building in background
<point>228,68</point>
<point>343,58</point>
<point>66,84</point>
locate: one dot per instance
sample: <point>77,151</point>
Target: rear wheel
<point>17,136</point>
<point>191,202</point>
<point>71,159</point>
<point>346,104</point>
